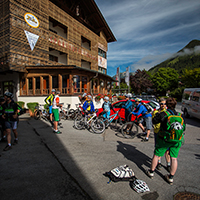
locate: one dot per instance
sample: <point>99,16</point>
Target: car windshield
<point>119,104</point>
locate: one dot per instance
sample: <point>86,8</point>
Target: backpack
<point>148,107</point>
<point>175,128</point>
<point>121,173</point>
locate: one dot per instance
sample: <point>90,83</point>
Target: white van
<point>191,102</point>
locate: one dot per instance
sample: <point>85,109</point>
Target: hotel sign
<point>31,20</point>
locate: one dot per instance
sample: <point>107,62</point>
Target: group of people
<point>157,120</point>
<point>53,102</point>
<point>9,111</point>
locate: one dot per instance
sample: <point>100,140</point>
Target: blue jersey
<point>141,109</point>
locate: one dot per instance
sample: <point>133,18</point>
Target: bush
<point>32,106</point>
<point>21,104</point>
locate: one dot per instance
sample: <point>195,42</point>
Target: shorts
<point>56,114</point>
<point>148,121</point>
<point>11,125</point>
<point>162,146</point>
<point>50,109</point>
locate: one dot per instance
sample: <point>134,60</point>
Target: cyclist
<point>55,109</point>
<point>10,116</point>
<point>107,106</point>
<point>2,121</point>
<point>147,117</point>
<point>128,106</point>
<point>49,101</point>
<point>162,108</point>
<point>88,105</point>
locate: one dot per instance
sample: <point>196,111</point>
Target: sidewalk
<point>71,165</point>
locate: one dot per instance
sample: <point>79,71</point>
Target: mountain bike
<point>130,129</point>
<point>67,113</point>
<point>41,112</point>
<point>89,121</point>
<point>116,118</point>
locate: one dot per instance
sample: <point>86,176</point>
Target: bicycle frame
<point>112,117</point>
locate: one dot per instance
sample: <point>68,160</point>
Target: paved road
<point>71,165</point>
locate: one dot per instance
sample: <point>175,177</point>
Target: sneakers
<point>57,132</point>
<point>159,166</point>
<point>145,140</point>
<point>8,147</point>
<point>149,174</point>
<point>169,180</point>
<point>15,142</point>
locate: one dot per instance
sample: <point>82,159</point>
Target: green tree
<point>140,81</point>
<point>191,78</point>
<point>165,79</point>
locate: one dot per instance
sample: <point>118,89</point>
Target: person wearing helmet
<point>107,106</point>
<point>49,101</point>
<point>88,105</point>
<point>128,106</point>
<point>2,121</point>
<point>162,145</point>
<point>141,110</point>
<point>9,114</point>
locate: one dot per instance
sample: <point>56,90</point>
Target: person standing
<point>9,114</point>
<point>162,144</point>
<point>107,106</point>
<point>49,101</point>
<point>128,106</point>
<point>162,108</point>
<point>55,110</point>
<point>141,110</point>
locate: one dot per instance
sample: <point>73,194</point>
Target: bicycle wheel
<point>72,113</point>
<point>129,130</point>
<point>98,126</point>
<point>79,123</point>
<point>118,123</point>
<point>37,115</point>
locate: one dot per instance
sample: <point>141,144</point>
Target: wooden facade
<point>55,44</point>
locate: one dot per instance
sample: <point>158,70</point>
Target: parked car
<point>191,102</point>
<point>118,106</point>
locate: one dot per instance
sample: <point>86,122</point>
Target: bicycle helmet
<point>89,96</point>
<point>106,98</point>
<point>84,95</point>
<point>139,186</point>
<point>8,94</point>
<point>53,90</point>
<point>138,99</point>
<point>128,95</point>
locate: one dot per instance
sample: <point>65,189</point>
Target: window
<point>30,84</point>
<point>54,82</point>
<point>65,81</point>
<point>57,28</point>
<point>196,96</point>
<point>101,53</point>
<point>85,43</point>
<point>186,95</point>
<point>102,70</point>
<point>53,58</point>
<point>85,64</point>
<point>37,81</point>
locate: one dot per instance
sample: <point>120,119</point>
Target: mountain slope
<point>186,58</point>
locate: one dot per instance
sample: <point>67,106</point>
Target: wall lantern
<point>102,83</point>
<point>74,79</point>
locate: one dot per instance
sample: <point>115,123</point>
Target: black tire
<point>186,115</point>
<point>79,123</point>
<point>37,115</point>
<point>133,130</point>
<point>98,126</point>
<point>72,113</point>
<point>118,123</point>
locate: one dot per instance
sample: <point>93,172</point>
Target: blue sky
<point>148,31</point>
